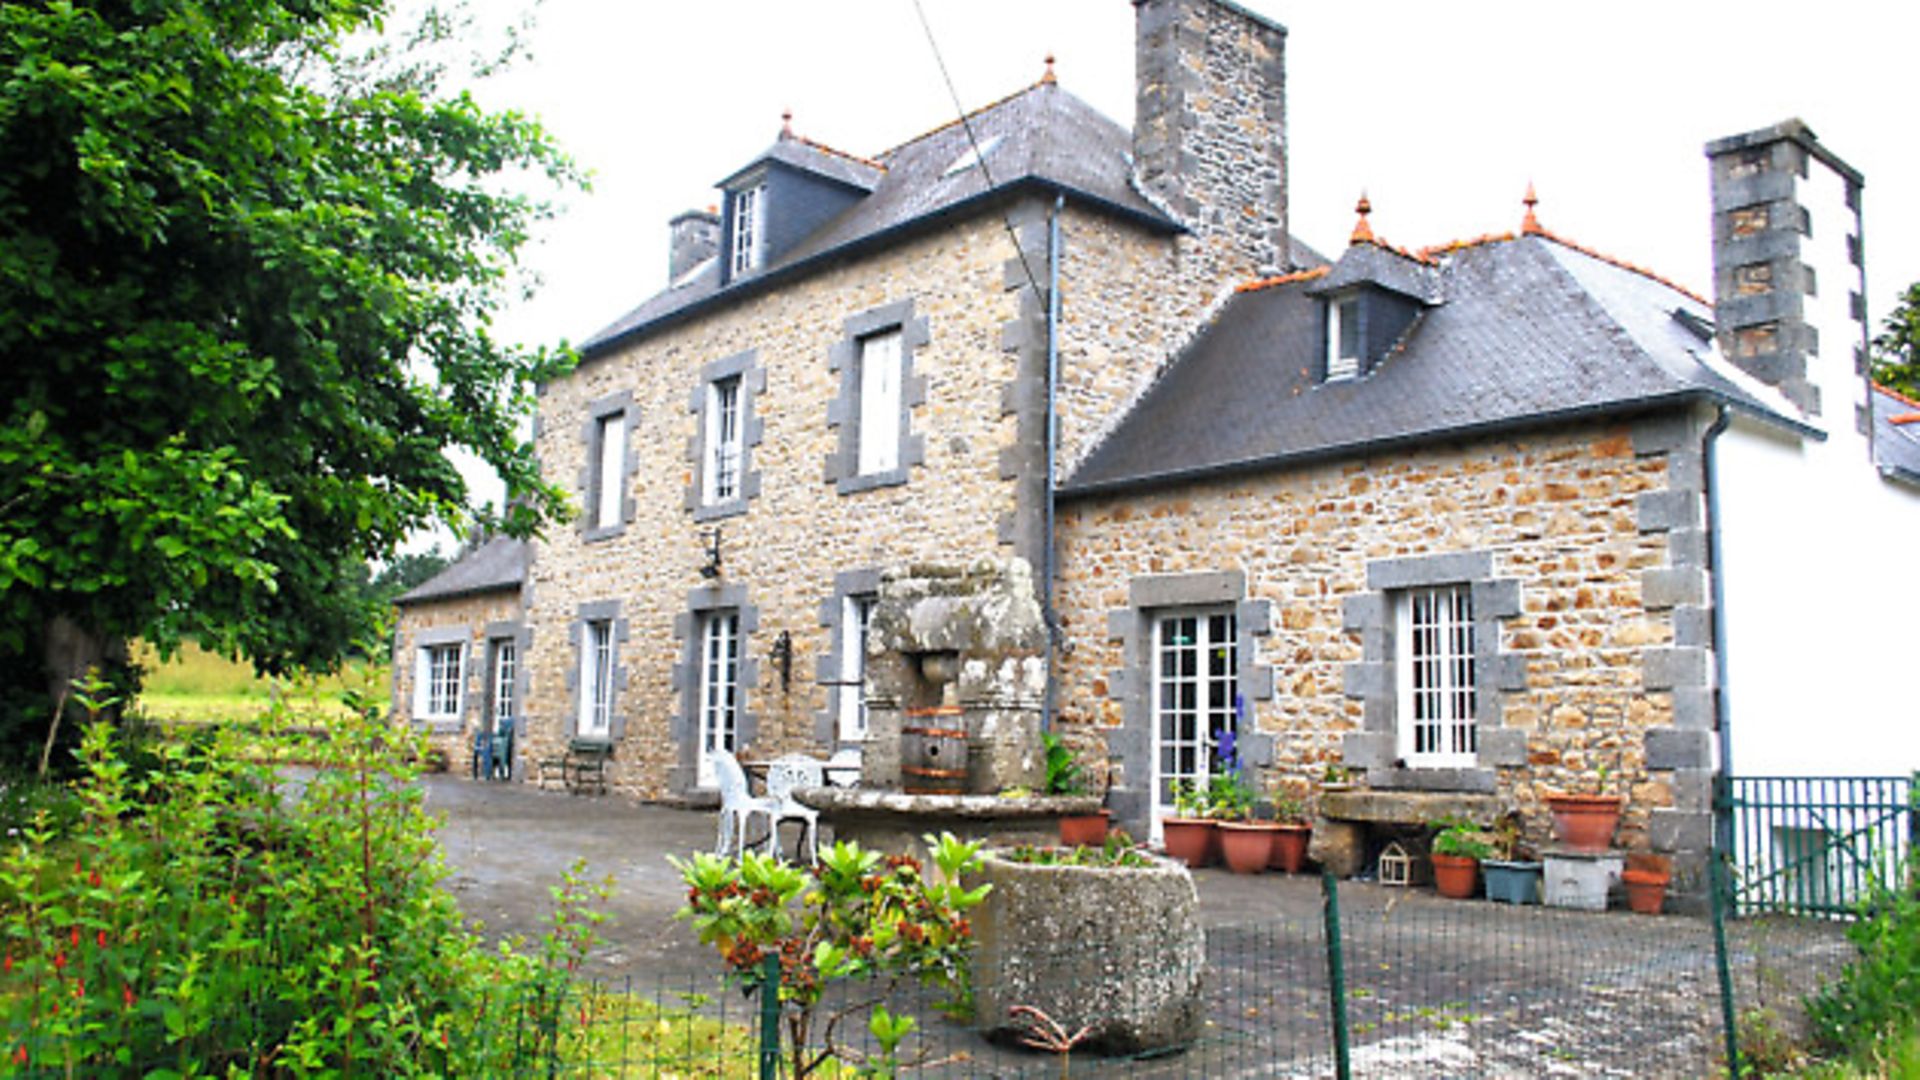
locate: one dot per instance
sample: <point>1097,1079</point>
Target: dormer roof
<point>1047,140</point>
<point>1385,268</point>
<point>816,159</point>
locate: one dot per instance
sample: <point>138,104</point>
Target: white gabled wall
<point>1819,664</point>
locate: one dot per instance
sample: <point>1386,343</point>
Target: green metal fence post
<point>1717,884</point>
<point>770,1018</point>
<point>1336,976</point>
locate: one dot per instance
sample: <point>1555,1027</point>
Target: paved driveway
<point>508,844</point>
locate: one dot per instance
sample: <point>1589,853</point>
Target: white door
<point>1195,662</point>
<point>719,688</point>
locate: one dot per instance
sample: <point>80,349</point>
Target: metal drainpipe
<point>1722,823</point>
<point>1053,381</point>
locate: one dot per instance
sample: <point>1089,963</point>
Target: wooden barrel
<point>933,751</point>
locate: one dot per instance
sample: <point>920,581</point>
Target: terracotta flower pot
<point>1290,841</point>
<point>1085,830</point>
<point>1456,875</point>
<point>1191,840</point>
<point>1585,822</point>
<point>1646,890</point>
<point>1246,845</point>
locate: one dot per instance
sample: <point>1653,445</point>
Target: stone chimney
<point>696,238</point>
<point>1210,125</point>
<point>1788,268</point>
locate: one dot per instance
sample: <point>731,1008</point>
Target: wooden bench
<point>584,763</point>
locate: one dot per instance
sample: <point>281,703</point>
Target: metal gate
<point>1812,845</point>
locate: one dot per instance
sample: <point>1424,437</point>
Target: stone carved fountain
<point>971,639</point>
<point>966,644</point>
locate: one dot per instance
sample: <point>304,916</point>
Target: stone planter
<point>1193,841</point>
<point>1246,846</point>
<point>1290,843</point>
<point>1120,948</point>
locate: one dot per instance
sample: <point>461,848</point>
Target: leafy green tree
<point>1896,352</point>
<point>246,281</point>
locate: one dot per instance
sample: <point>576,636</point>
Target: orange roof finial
<point>786,123</point>
<point>1530,225</point>
<point>1362,232</point>
<point>1048,79</point>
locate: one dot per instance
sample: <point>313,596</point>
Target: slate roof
<point>1042,136</point>
<point>812,157</point>
<point>1528,330</point>
<point>498,564</point>
<point>1896,435</point>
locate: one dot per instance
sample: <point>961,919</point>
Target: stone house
<point>1451,518</point>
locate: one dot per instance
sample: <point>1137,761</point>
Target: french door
<point>1195,665</point>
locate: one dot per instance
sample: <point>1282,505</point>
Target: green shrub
<point>859,915</point>
<point>1878,994</point>
<point>208,916</point>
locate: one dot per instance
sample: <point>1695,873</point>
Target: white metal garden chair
<point>738,805</point>
<point>784,775</point>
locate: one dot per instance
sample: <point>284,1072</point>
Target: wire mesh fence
<point>1430,988</point>
<point>1387,983</point>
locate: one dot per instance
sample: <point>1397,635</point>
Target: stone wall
<point>1588,541</point>
<point>471,620</point>
<point>798,533</point>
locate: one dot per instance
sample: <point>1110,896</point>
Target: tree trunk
<point>71,651</point>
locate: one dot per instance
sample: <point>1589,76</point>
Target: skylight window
<point>973,157</point>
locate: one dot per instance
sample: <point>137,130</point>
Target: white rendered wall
<point>1820,659</point>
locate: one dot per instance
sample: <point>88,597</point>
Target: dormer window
<point>749,206</point>
<point>1343,337</point>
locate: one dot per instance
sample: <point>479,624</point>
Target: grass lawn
<point>199,687</point>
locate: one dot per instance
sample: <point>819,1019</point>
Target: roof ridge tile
<point>1284,279</point>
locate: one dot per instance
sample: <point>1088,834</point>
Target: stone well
<point>969,640</point>
<point>1117,948</point>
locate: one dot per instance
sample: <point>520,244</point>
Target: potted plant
<point>1246,845</point>
<point>1646,878</point>
<point>1292,833</point>
<point>1066,777</point>
<point>1457,851</point>
<point>1189,835</point>
<point>1336,778</point>
<point>1585,822</point>
<point>1512,876</point>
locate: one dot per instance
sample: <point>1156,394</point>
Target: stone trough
<point>1119,950</point>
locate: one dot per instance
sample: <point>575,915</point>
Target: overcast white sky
<point>1442,111</point>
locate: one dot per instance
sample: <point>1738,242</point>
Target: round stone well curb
<point>1118,949</point>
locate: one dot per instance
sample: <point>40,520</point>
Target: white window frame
<point>1342,365</point>
<point>856,615</point>
<point>505,659</point>
<point>719,688</point>
<point>1214,681</point>
<point>877,436</point>
<point>749,220</point>
<point>724,445</point>
<point>439,680</point>
<point>610,459</point>
<point>1436,674</point>
<point>596,680</point>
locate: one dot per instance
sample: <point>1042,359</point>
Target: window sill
<point>602,532</point>
<point>717,511</point>
<point>851,485</point>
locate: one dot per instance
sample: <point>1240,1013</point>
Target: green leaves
<point>245,281</point>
